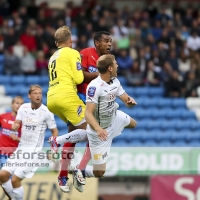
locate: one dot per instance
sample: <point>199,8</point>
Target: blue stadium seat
<point>156,91</point>
<point>165,143</point>
<point>194,125</point>
<point>139,91</point>
<point>129,90</point>
<point>122,80</point>
<point>158,113</point>
<point>168,125</point>
<point>194,143</point>
<point>150,143</point>
<point>173,113</point>
<point>136,143</point>
<point>178,137</point>
<point>178,102</point>
<point>44,80</point>
<point>163,137</point>
<point>121,137</point>
<point>1,58</point>
<point>183,124</point>
<point>153,124</point>
<point>12,90</point>
<point>31,80</point>
<point>133,137</point>
<point>164,102</point>
<point>1,68</point>
<point>24,90</point>
<point>4,80</point>
<point>81,144</point>
<point>149,102</point>
<point>61,125</point>
<point>180,143</point>
<point>148,136</point>
<point>18,80</point>
<point>192,137</point>
<point>120,144</point>
<point>187,114</point>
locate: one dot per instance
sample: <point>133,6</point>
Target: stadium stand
<point>159,46</point>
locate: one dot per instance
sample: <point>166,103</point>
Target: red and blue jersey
<point>7,144</point>
<point>89,59</point>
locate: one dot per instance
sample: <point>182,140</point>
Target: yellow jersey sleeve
<point>65,72</point>
<point>75,61</point>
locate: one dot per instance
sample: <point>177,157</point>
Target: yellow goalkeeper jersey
<point>65,72</point>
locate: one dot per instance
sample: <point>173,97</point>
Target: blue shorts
<point>3,159</point>
<point>83,98</point>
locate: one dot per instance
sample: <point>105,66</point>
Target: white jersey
<point>34,125</point>
<point>104,95</point>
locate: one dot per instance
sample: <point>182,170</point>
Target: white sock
<point>89,171</point>
<point>7,186</point>
<point>19,193</point>
<point>78,135</point>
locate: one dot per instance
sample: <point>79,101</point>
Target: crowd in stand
<point>153,46</point>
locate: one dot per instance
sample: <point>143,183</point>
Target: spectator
<point>134,76</point>
<point>173,60</point>
<point>183,63</point>
<point>11,63</point>
<point>190,85</point>
<point>41,63</point>
<point>27,63</point>
<point>124,61</point>
<point>152,77</point>
<point>193,41</point>
<point>174,87</point>
<point>18,49</point>
<point>28,40</point>
<point>10,38</point>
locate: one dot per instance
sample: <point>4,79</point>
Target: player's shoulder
<point>25,106</point>
<point>44,109</point>
<point>96,83</point>
<point>87,50</point>
<point>4,115</point>
<point>116,81</point>
<point>68,51</point>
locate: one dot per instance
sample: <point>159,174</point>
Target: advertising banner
<point>175,187</point>
<point>45,187</point>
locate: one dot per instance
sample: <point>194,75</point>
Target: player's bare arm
<point>102,133</point>
<point>129,101</point>
<point>16,125</point>
<point>14,137</point>
<point>89,76</point>
<point>54,132</point>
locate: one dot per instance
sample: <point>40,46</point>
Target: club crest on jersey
<point>79,110</point>
<point>78,66</point>
<point>91,91</point>
<point>92,69</point>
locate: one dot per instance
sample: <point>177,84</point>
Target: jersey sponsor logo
<point>29,120</point>
<point>92,69</point>
<point>8,132</point>
<point>91,91</point>
<point>111,96</point>
<point>79,110</point>
<point>97,156</point>
<point>78,66</point>
<point>111,103</point>
<point>113,88</point>
<point>10,122</point>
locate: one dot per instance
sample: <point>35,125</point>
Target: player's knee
<point>99,174</point>
<point>16,181</point>
<point>3,177</point>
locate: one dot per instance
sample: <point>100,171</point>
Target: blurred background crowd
<point>153,45</point>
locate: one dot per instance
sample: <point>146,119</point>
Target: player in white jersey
<point>104,120</point>
<point>35,118</point>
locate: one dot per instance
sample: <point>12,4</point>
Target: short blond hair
<point>62,34</point>
<point>33,87</point>
<point>104,62</point>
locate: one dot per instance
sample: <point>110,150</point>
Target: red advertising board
<point>175,187</point>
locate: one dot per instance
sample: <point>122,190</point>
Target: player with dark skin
<point>102,46</point>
